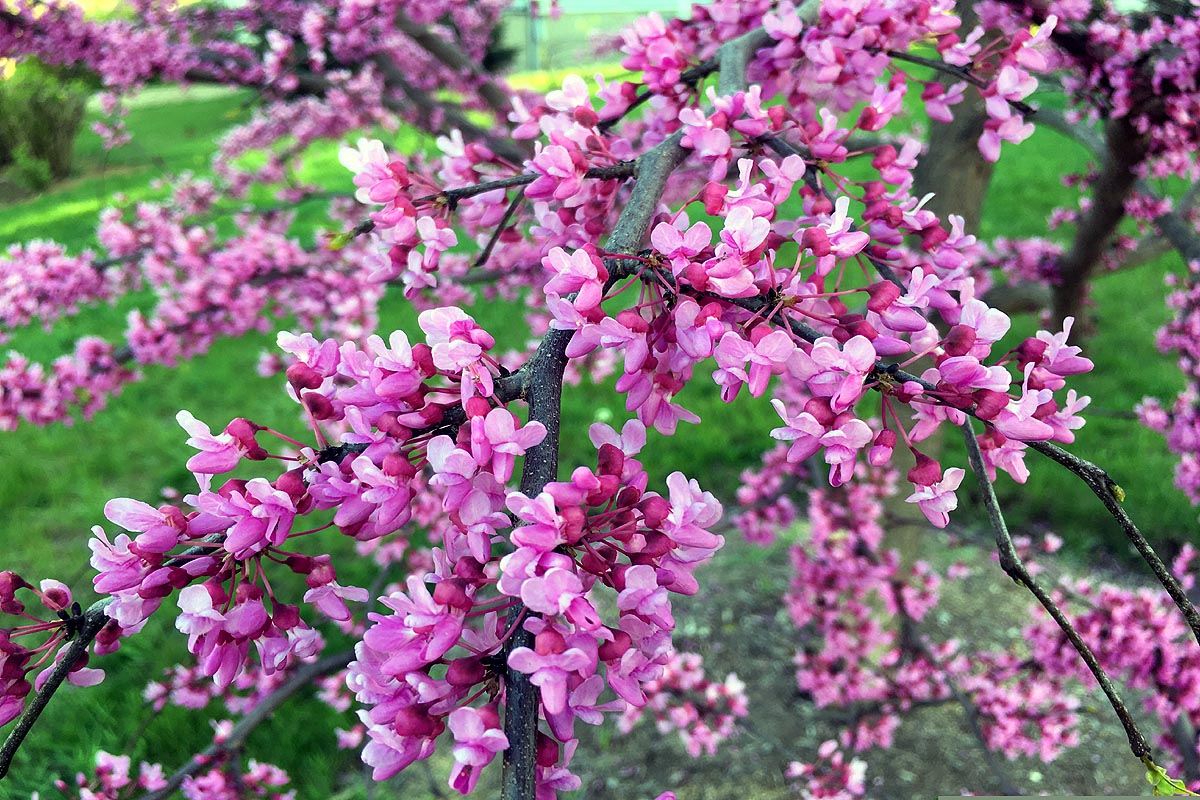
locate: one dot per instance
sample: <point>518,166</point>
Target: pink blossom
<point>477,740</point>
<point>937,499</point>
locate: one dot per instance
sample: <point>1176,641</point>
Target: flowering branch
<point>303,676</point>
<point>94,620</point>
<point>544,374</point>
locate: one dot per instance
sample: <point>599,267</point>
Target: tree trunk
<point>953,168</point>
<point>1125,148</point>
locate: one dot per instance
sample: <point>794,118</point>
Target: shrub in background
<point>41,109</point>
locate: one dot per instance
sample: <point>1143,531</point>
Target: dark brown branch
<point>496,97</point>
<point>1125,148</point>
<point>94,620</point>
<point>963,73</point>
<point>1012,565</point>
<point>509,213</point>
<point>303,676</point>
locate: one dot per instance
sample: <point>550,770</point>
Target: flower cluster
<point>421,667</point>
<point>1181,422</point>
<point>845,589</point>
<point>111,780</point>
<point>17,660</point>
<point>704,712</point>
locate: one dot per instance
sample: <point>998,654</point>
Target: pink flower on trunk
<point>497,438</point>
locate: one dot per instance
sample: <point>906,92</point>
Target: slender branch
<point>94,620</point>
<point>1012,565</point>
<point>963,73</point>
<point>505,222</point>
<point>1106,489</point>
<point>301,677</point>
<point>495,96</point>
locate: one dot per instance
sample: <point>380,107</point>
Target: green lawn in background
<point>55,481</point>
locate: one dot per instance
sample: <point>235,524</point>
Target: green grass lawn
<point>55,481</point>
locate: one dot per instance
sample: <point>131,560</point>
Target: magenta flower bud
<point>549,642</point>
<point>821,411</point>
<point>321,572</point>
<point>989,403</point>
<point>490,715</point>
<point>469,569</point>
<point>300,564</point>
<point>959,341</point>
<point>851,325</point>
<point>387,423</point>
<point>932,236</point>
<point>608,488</point>
<point>174,516</point>
<point>816,241</point>
<point>451,592</point>
<point>465,672</point>
<point>318,404</point>
<point>397,465</point>
<point>633,321</point>
<point>586,117</point>
<point>873,190</point>
<point>882,294</point>
<point>574,523</point>
<point>422,355</point>
<point>247,592</point>
<point>884,156</point>
<point>713,196</point>
<point>655,509</point>
<point>612,651</point>
<point>881,451</point>
<point>416,721</point>
<point>302,376</point>
<point>547,751</point>
<point>10,582</point>
<point>593,564</point>
<point>56,598</point>
<point>1031,351</point>
<point>927,472</point>
<point>231,487</point>
<point>610,459</point>
<point>657,544</point>
<point>292,483</point>
<point>477,407</point>
<point>109,635</point>
<point>286,616</point>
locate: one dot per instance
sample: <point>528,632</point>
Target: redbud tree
<point>742,210</point>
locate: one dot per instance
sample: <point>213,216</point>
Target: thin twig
<point>1010,562</point>
<point>94,620</point>
<point>1106,489</point>
<point>303,676</point>
<point>963,73</point>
